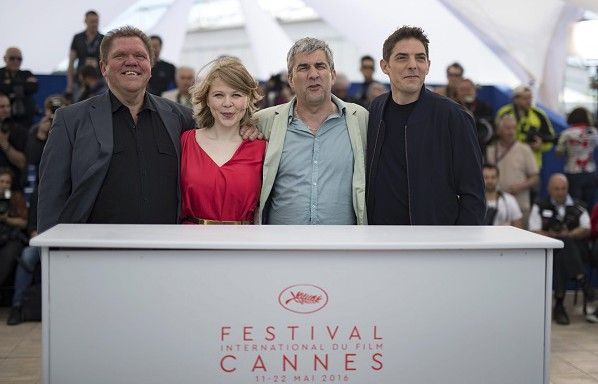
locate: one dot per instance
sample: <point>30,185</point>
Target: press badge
<point>547,213</point>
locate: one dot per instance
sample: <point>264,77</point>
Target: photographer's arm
<point>70,72</point>
<point>31,84</point>
<point>16,157</point>
<point>546,132</point>
<point>582,231</point>
<point>579,233</point>
<point>525,185</point>
<point>561,147</point>
<point>16,217</point>
<point>16,222</point>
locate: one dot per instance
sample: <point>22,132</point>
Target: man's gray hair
<point>507,116</point>
<point>308,45</point>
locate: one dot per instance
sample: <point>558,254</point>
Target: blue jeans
<point>24,274</point>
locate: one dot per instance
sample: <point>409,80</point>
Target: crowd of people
<point>134,139</point>
<point>513,141</point>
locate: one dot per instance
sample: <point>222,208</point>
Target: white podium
<point>295,304</point>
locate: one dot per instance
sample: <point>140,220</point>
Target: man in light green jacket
<point>314,169</point>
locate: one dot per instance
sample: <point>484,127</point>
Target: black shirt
<point>141,184</point>
<point>162,77</point>
<point>391,192</point>
<point>363,95</point>
<point>87,49</point>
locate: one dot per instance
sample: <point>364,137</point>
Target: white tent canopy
<point>507,42</point>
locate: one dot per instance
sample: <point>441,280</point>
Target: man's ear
<point>103,68</point>
<point>384,66</point>
<point>290,80</point>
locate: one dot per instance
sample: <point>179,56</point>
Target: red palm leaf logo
<point>303,298</point>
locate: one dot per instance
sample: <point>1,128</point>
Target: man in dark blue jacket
<point>424,165</point>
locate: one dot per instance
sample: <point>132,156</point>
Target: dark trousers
<point>567,264</point>
<point>582,186</point>
<point>8,258</point>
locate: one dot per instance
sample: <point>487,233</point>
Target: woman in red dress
<point>221,174</point>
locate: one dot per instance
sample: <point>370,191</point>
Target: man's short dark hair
<point>367,57</point>
<point>88,71</point>
<point>491,166</point>
<point>405,32</point>
<point>579,116</point>
<point>7,171</point>
<point>156,37</point>
<point>456,65</point>
<point>2,94</point>
<point>126,31</point>
<point>91,12</point>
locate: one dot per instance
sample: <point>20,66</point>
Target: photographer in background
<point>13,219</point>
<point>85,50</point>
<point>92,83</point>
<point>20,86</point>
<point>482,113</point>
<point>30,257</point>
<point>565,219</point>
<point>515,161</point>
<point>13,138</point>
<point>38,134</point>
<point>501,207</point>
<point>533,126</point>
<point>577,144</point>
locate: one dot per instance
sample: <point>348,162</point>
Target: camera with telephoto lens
<point>55,103</point>
<point>4,202</point>
<point>557,225</point>
<point>532,133</point>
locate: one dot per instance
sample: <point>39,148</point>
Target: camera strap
<point>497,157</point>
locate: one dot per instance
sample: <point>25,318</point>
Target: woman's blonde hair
<point>232,72</point>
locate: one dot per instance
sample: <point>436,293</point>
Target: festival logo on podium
<point>303,298</point>
<point>300,352</point>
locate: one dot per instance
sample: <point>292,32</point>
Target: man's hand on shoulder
<point>251,132</point>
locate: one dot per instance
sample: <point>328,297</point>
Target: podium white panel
<point>246,315</point>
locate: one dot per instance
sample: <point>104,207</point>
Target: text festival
<point>347,347</point>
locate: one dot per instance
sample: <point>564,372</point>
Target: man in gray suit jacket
<point>115,158</point>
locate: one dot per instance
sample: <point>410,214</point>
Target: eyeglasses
<point>15,58</point>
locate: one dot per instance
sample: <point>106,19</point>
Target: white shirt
<point>535,217</point>
<point>507,209</point>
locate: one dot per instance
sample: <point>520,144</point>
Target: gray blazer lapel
<point>80,202</point>
<point>101,120</point>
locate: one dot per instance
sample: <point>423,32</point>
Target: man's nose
<point>130,60</point>
<point>412,63</point>
<point>313,73</point>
